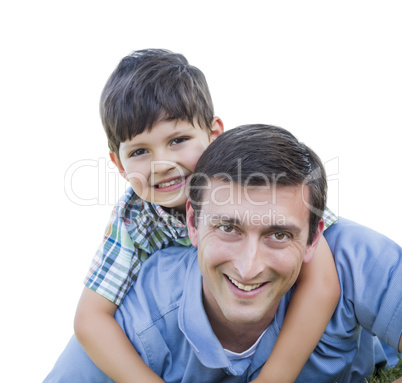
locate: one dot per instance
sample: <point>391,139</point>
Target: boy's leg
<point>74,365</point>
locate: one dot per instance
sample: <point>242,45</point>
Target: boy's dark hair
<point>257,155</point>
<point>150,85</point>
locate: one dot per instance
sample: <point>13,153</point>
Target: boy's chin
<point>178,211</point>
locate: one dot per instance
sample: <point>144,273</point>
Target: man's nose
<point>249,262</point>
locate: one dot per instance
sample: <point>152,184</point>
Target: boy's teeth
<point>244,287</point>
<point>166,184</point>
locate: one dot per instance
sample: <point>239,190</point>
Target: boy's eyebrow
<point>180,131</point>
<point>130,145</point>
<point>126,147</point>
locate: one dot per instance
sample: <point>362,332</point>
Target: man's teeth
<point>244,287</point>
<point>166,184</point>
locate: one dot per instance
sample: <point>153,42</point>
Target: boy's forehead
<point>149,126</point>
<point>164,126</point>
<point>178,121</point>
<point>171,124</point>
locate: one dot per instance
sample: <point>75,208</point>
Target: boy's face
<point>158,163</point>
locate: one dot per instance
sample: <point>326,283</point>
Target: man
<point>214,314</point>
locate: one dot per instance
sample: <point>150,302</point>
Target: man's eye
<point>227,228</point>
<point>179,140</point>
<point>280,236</point>
<point>138,152</point>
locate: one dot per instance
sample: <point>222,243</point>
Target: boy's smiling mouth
<point>167,184</point>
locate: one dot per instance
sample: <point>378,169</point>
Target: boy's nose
<point>162,166</point>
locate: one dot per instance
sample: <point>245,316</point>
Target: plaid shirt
<point>136,230</point>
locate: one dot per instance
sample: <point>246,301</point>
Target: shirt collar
<point>194,324</point>
<point>149,220</point>
<point>171,225</point>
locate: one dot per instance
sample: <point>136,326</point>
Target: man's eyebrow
<point>224,218</point>
<point>236,221</point>
<point>289,228</point>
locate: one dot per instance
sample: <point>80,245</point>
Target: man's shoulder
<point>159,287</point>
<point>348,235</point>
<point>361,253</point>
<point>345,227</point>
<point>369,266</point>
<point>173,259</point>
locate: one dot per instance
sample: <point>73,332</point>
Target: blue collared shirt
<point>164,318</point>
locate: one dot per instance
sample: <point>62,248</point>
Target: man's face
<point>251,245</point>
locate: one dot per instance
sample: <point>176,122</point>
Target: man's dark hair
<point>152,85</point>
<point>257,155</point>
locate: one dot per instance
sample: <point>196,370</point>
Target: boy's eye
<point>179,140</point>
<point>138,152</point>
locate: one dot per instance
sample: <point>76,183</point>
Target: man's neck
<point>236,338</point>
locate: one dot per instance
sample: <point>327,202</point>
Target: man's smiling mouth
<point>245,287</point>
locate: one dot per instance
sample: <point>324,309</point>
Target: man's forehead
<point>223,192</point>
<point>253,205</point>
<point>245,217</point>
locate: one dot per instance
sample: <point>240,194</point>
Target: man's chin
<point>245,318</point>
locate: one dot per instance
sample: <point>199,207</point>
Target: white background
<point>330,72</point>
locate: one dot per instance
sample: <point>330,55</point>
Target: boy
<point>158,116</point>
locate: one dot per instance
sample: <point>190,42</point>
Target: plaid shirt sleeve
<point>116,263</point>
<point>135,231</point>
<point>329,218</point>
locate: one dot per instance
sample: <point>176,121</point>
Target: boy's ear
<point>115,159</point>
<point>191,224</point>
<point>216,128</point>
<point>310,251</point>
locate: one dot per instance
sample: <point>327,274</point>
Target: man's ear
<point>310,251</point>
<point>216,128</point>
<point>115,159</point>
<point>191,224</point>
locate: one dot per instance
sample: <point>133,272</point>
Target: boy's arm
<point>106,343</point>
<point>310,309</point>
